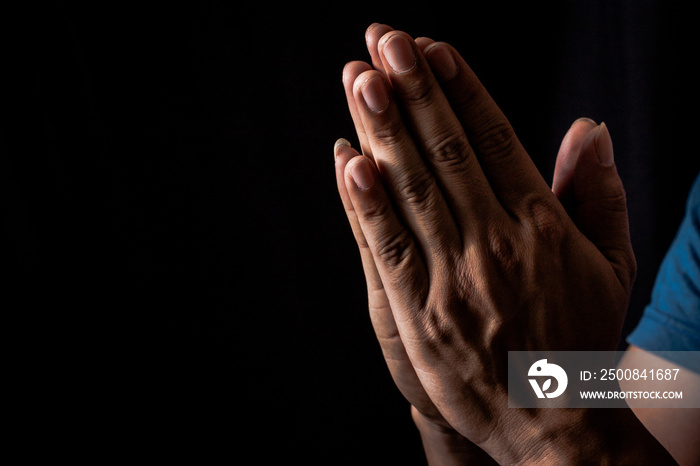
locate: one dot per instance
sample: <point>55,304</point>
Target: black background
<point>182,281</point>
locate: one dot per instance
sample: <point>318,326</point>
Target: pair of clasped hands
<point>468,253</point>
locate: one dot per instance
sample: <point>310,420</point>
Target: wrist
<point>596,436</point>
<point>433,430</point>
<point>444,446</point>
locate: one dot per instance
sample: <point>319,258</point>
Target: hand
<point>459,232</point>
<point>442,443</point>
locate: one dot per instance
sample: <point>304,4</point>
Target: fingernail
<point>398,51</point>
<point>604,146</point>
<point>586,119</point>
<point>442,62</point>
<point>338,143</point>
<point>369,29</point>
<point>375,94</point>
<point>362,174</point>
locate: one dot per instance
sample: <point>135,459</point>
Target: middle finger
<point>437,130</point>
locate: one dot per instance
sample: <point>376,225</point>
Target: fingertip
<point>388,34</point>
<point>581,133</point>
<point>361,78</point>
<point>340,142</point>
<point>582,137</point>
<point>369,29</point>
<point>353,69</point>
<point>441,61</point>
<point>604,146</point>
<point>577,143</point>
<point>343,154</point>
<point>376,30</point>
<point>371,91</point>
<point>423,42</point>
<point>584,120</point>
<point>372,37</point>
<point>343,150</point>
<point>361,173</point>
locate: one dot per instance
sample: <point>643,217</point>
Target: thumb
<point>600,204</point>
<point>562,183</point>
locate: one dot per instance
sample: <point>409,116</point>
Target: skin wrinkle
<point>464,250</point>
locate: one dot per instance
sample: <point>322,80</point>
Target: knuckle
<point>395,249</point>
<point>471,98</point>
<point>435,323</point>
<point>389,134</point>
<point>452,150</point>
<point>418,190</point>
<point>625,265</point>
<point>376,212</point>
<point>545,219</point>
<point>504,252</point>
<point>614,202</point>
<point>418,93</point>
<point>437,330</point>
<point>496,141</point>
<point>606,195</point>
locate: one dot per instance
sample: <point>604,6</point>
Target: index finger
<point>355,68</point>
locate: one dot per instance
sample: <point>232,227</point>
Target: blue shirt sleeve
<point>671,321</point>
